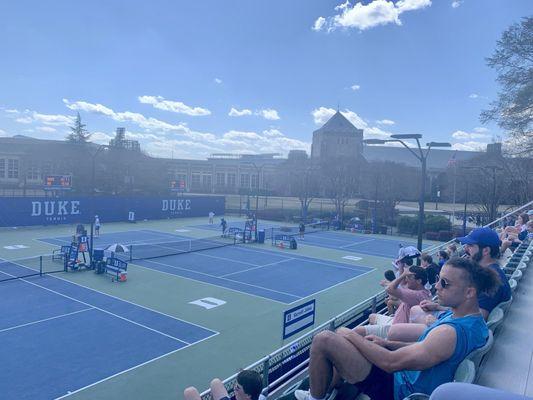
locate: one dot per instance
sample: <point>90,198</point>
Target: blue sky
<point>188,79</point>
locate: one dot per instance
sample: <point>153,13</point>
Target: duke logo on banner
<point>176,205</point>
<point>60,208</point>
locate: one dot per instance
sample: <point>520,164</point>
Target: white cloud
<point>385,122</point>
<point>48,129</point>
<point>218,80</point>
<point>272,133</point>
<point>456,3</point>
<point>319,24</point>
<point>470,146</point>
<point>24,120</point>
<point>88,107</point>
<point>101,137</point>
<point>12,111</point>
<point>462,135</point>
<point>268,113</point>
<point>365,16</point>
<point>355,87</point>
<point>480,129</point>
<point>473,95</point>
<point>178,107</point>
<point>239,113</point>
<point>3,133</point>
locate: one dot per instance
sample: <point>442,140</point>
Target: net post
<point>91,244</point>
<point>41,265</point>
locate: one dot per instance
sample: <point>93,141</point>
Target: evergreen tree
<point>78,132</point>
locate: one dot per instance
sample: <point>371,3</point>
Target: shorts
<point>381,331</point>
<point>383,319</point>
<point>378,385</point>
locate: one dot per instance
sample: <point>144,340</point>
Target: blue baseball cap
<point>482,237</point>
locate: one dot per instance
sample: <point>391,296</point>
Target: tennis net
<point>293,230</point>
<point>154,250</point>
<point>31,266</point>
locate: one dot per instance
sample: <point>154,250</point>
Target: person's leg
<point>405,332</point>
<point>218,390</point>
<point>191,393</point>
<point>330,350</point>
<point>466,391</point>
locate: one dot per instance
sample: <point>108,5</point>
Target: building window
<point>207,180</point>
<point>245,180</point>
<point>231,180</point>
<point>195,180</point>
<point>2,168</point>
<point>220,178</point>
<point>12,168</point>
<point>255,181</point>
<point>32,174</point>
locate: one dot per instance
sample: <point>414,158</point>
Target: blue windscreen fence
<point>25,211</point>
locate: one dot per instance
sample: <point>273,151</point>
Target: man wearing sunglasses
<point>388,370</point>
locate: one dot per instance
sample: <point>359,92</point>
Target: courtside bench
<point>61,253</point>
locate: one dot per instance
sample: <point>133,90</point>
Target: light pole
<point>422,156</point>
<point>99,149</point>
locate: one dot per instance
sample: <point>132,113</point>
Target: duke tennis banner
<point>23,211</point>
<point>298,318</point>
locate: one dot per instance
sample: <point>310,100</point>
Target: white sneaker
<point>302,394</point>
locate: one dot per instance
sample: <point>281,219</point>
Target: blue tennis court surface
<point>371,245</point>
<point>276,276</point>
<point>57,337</point>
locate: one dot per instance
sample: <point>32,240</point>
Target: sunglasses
<point>443,283</point>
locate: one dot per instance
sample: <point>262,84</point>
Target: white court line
<point>229,280</point>
<point>259,266</point>
<point>152,269</point>
<point>46,319</point>
<point>231,259</point>
<point>114,297</point>
<point>312,260</point>
<point>104,311</point>
<point>357,243</point>
<point>129,369</point>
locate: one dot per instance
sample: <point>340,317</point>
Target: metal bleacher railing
<point>282,367</point>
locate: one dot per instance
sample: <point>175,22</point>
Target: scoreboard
<point>177,185</point>
<point>58,182</point>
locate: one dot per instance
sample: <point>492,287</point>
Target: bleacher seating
<point>284,369</point>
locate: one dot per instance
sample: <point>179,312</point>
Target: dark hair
<point>494,250</point>
<point>407,261</point>
<point>444,254</point>
<point>525,217</point>
<point>452,247</point>
<point>484,279</point>
<point>251,383</point>
<point>427,258</point>
<point>389,275</point>
<point>419,273</point>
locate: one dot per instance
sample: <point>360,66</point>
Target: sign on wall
<point>24,211</point>
<point>298,318</point>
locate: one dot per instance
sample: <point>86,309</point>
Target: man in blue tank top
<point>386,370</point>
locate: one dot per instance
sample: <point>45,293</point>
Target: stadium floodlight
<point>374,141</point>
<point>438,144</point>
<point>407,136</point>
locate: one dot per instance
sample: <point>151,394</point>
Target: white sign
<point>208,302</point>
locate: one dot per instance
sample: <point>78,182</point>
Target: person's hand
<point>384,283</point>
<point>377,340</point>
<point>428,305</point>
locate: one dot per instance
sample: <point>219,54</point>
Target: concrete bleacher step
<point>509,366</point>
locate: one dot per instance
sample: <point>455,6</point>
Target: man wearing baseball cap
<point>482,245</point>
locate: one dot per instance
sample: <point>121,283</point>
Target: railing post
<point>266,366</point>
<point>374,304</point>
<point>41,265</point>
<point>332,325</point>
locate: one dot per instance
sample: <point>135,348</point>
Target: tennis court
<point>282,277</point>
<point>57,337</point>
<point>338,240</point>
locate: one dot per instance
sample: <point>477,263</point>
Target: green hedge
<point>432,223</point>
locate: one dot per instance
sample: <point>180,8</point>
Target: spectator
<point>390,370</point>
<point>452,250</point>
<point>432,269</point>
<point>410,295</point>
<point>466,391</point>
<point>223,225</point>
<point>301,230</point>
<point>512,239</point>
<point>247,387</point>
<point>211,216</point>
<point>481,246</point>
<point>443,257</point>
<point>391,301</point>
<point>511,232</point>
<point>96,226</point>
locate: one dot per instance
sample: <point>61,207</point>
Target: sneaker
<point>302,394</point>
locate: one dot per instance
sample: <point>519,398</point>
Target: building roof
<point>438,158</point>
<point>339,124</point>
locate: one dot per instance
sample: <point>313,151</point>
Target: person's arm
<point>389,344</point>
<point>437,347</point>
<point>394,287</point>
<point>428,305</point>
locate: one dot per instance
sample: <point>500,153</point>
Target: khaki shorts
<point>382,326</point>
